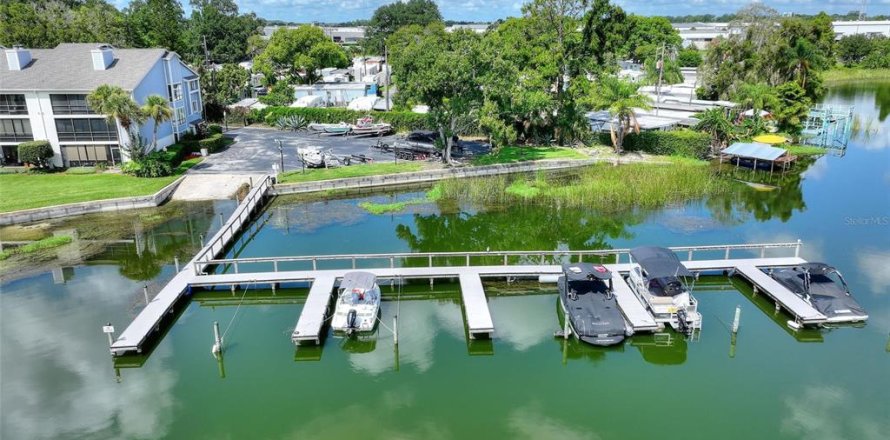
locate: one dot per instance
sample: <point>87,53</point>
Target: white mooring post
<point>108,329</point>
<point>176,263</point>
<point>217,340</point>
<point>565,327</point>
<point>395,330</point>
<point>145,292</point>
<point>735,321</point>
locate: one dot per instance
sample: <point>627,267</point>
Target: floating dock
<point>149,319</point>
<point>315,310</point>
<point>310,327</point>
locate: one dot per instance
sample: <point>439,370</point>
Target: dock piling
<point>176,263</point>
<point>395,330</point>
<point>735,321</point>
<point>145,292</point>
<point>108,329</point>
<point>217,340</point>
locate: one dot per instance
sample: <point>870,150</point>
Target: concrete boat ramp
<point>469,268</point>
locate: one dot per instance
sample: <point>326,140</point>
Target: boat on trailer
<point>590,307</point>
<point>331,129</point>
<point>367,127</point>
<point>358,304</point>
<point>657,278</point>
<point>823,287</point>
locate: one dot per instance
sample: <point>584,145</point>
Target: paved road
<point>255,150</point>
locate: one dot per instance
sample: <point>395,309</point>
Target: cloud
<point>57,376</point>
<point>817,413</point>
<point>529,422</point>
<point>873,265</point>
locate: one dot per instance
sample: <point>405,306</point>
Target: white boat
<point>358,303</point>
<point>367,126</point>
<point>315,157</point>
<point>656,277</point>
<point>339,128</point>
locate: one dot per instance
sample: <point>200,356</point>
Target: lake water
<point>57,380</point>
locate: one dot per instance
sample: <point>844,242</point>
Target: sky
<point>332,11</point>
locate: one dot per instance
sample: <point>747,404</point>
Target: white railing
<point>489,258</point>
<point>233,226</point>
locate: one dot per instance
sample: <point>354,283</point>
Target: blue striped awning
<point>755,150</point>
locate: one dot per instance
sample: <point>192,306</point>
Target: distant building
<point>342,35</point>
<point>479,28</point>
<point>43,96</point>
<point>700,34</point>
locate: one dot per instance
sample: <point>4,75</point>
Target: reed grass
<point>602,187</point>
<point>39,245</point>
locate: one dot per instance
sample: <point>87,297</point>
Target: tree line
<point>215,28</point>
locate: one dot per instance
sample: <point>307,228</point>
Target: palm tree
<point>119,108</point>
<point>620,98</point>
<point>158,110</point>
<point>715,122</point>
<point>757,97</point>
<point>802,58</point>
<point>116,105</point>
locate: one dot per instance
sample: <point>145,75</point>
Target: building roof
<point>69,67</point>
<point>755,150</point>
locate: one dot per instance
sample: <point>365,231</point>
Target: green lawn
<point>513,154</point>
<point>854,74</point>
<point>351,171</point>
<point>804,150</point>
<point>26,191</point>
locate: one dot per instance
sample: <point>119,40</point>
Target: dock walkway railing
<point>506,258</point>
<point>223,237</point>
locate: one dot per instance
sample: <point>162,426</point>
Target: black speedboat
<point>823,287</point>
<point>585,293</point>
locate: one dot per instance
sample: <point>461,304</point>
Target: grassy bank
<point>804,150</point>
<point>27,191</point>
<point>603,187</point>
<point>513,154</point>
<point>43,244</point>
<point>364,170</point>
<point>842,75</point>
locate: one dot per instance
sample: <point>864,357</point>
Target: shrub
<point>400,120</point>
<point>35,152</point>
<point>214,129</point>
<point>154,165</point>
<point>212,143</point>
<point>175,154</point>
<point>683,142</point>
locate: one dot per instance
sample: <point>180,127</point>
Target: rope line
<point>235,315</point>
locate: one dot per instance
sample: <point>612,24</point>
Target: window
<point>196,104</point>
<point>88,155</point>
<point>193,86</point>
<point>180,116</point>
<point>15,130</point>
<point>71,105</point>
<point>13,105</point>
<point>175,92</point>
<point>90,129</point>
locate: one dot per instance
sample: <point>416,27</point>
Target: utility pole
<point>206,53</point>
<point>280,156</point>
<point>660,66</point>
<point>386,64</point>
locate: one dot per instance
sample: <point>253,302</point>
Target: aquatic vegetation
<point>602,187</point>
<point>39,245</point>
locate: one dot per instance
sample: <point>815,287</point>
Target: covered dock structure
<point>755,152</point>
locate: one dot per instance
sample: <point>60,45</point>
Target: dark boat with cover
<point>585,293</point>
<point>824,288</point>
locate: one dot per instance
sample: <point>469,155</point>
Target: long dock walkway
<point>310,324</point>
<point>149,319</point>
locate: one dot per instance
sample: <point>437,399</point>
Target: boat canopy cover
<point>818,268</point>
<point>585,272</point>
<point>357,280</point>
<point>659,262</point>
<point>754,150</point>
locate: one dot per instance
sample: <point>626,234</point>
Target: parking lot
<point>255,150</point>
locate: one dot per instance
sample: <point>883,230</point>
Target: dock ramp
<point>475,305</point>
